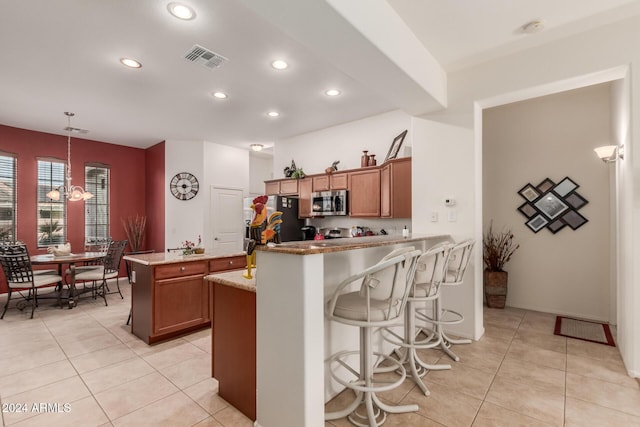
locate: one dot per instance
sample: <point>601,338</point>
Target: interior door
<point>227,218</point>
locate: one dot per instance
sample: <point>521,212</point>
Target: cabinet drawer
<point>289,186</point>
<point>230,263</point>
<point>180,270</point>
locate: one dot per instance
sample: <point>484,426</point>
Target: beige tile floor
<point>519,374</point>
<point>86,361</point>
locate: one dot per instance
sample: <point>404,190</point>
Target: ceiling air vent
<point>205,57</point>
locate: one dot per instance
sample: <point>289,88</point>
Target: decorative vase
<point>364,160</point>
<point>495,288</point>
<point>372,160</point>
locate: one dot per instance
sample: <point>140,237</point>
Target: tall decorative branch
<point>135,227</point>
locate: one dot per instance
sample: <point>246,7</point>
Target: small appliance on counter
<point>334,232</point>
<point>308,232</point>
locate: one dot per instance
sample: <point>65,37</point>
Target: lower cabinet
<point>171,299</point>
<point>233,344</point>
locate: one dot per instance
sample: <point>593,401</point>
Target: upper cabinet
<point>335,181</point>
<point>377,191</point>
<point>282,187</point>
<point>395,189</point>
<point>364,193</point>
<point>305,186</point>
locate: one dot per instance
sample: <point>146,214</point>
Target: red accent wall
<point>128,178</point>
<point>155,194</point>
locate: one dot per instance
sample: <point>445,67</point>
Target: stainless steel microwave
<point>328,203</point>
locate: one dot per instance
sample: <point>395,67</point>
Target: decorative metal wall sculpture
<point>552,205</point>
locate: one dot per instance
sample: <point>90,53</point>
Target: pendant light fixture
<point>71,192</point>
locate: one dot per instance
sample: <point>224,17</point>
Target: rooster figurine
<point>259,207</point>
<point>272,232</point>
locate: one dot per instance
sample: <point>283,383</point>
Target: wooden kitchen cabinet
<point>272,188</point>
<point>395,189</point>
<point>233,346</point>
<point>289,187</point>
<point>227,263</point>
<point>321,183</point>
<point>305,187</point>
<point>338,181</point>
<point>282,187</point>
<point>169,299</point>
<point>364,193</point>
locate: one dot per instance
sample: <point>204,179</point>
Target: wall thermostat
<point>449,201</point>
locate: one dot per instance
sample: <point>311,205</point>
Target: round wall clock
<point>184,186</point>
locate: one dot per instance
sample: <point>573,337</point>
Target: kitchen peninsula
<point>293,337</point>
<point>169,295</point>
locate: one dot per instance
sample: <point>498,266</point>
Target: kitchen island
<point>233,338</point>
<point>169,295</point>
<point>293,337</point>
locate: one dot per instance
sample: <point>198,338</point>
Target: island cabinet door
<point>180,303</point>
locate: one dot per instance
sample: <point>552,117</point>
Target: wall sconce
<point>610,153</point>
<point>257,147</point>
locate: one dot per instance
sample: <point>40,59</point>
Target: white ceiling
<point>63,55</point>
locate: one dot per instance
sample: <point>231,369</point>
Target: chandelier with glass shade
<point>71,192</point>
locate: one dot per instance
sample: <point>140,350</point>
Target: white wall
<point>441,157</point>
<point>560,65</point>
<point>315,151</point>
<point>552,137</point>
<point>260,170</point>
<point>214,165</point>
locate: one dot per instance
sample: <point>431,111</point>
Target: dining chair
<point>20,276</point>
<point>108,270</point>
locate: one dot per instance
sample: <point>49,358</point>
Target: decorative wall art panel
<point>552,206</point>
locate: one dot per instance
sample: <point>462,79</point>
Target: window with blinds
<point>52,214</point>
<point>96,216</point>
<point>7,197</point>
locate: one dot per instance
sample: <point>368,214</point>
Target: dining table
<point>72,294</point>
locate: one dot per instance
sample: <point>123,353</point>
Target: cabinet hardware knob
<point>230,262</point>
<point>181,268</point>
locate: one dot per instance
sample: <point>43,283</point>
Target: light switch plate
<point>434,216</point>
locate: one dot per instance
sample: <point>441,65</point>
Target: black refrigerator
<point>290,227</point>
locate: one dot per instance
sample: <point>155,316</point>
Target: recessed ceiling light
<point>279,64</point>
<point>220,95</point>
<point>533,27</point>
<point>181,11</point>
<point>131,63</point>
<point>332,92</point>
<point>273,114</point>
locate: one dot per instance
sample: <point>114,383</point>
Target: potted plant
<point>498,250</point>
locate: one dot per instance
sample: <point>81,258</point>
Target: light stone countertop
<point>159,258</point>
<point>235,279</point>
<point>308,247</point>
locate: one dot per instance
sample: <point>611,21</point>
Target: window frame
<point>12,175</point>
<point>93,236</point>
<point>44,185</point>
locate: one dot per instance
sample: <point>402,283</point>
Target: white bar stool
<point>457,265</point>
<point>379,302</point>
<point>430,271</point>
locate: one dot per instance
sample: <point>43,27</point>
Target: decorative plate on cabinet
<point>184,186</point>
